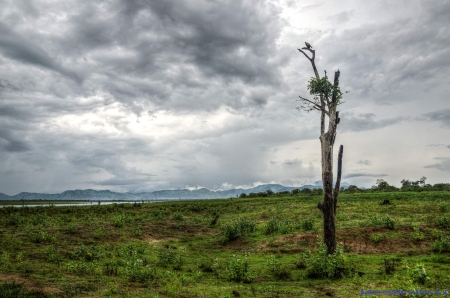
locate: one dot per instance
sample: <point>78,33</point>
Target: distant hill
<point>201,193</point>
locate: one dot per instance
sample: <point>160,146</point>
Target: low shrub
<point>238,269</point>
<point>319,264</point>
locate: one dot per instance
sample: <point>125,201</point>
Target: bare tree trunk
<point>330,195</point>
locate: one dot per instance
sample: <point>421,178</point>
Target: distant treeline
<point>380,186</point>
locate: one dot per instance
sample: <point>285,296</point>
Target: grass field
<point>257,247</point>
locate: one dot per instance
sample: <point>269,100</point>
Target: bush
<point>169,257</point>
<point>237,228</point>
<point>178,216</point>
<point>139,271</point>
<point>238,269</point>
<point>307,224</point>
<point>321,265</point>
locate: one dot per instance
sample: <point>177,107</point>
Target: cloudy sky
<point>143,95</point>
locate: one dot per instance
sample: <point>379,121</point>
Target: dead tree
<point>327,97</point>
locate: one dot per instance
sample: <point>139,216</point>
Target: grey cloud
<point>444,165</point>
<point>448,146</point>
<point>309,7</point>
<point>391,58</point>
<point>436,145</point>
<point>441,116</point>
<point>122,182</point>
<point>13,143</point>
<point>364,162</point>
<point>365,121</point>
<point>342,17</point>
<point>354,175</point>
<point>290,162</point>
<point>16,47</point>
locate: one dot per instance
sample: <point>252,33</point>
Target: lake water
<point>79,204</point>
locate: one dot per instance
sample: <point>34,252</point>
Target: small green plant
<point>419,274</point>
<point>444,221</point>
<point>277,269</point>
<point>417,235</point>
<point>376,238</point>
<point>238,269</point>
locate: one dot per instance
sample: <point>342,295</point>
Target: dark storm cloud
<point>17,47</point>
<point>443,165</point>
<point>441,116</point>
<point>355,175</point>
<point>366,121</point>
<point>178,55</point>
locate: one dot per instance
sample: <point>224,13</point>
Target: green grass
<point>258,248</point>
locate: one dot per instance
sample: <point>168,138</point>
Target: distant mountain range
<point>201,193</point>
